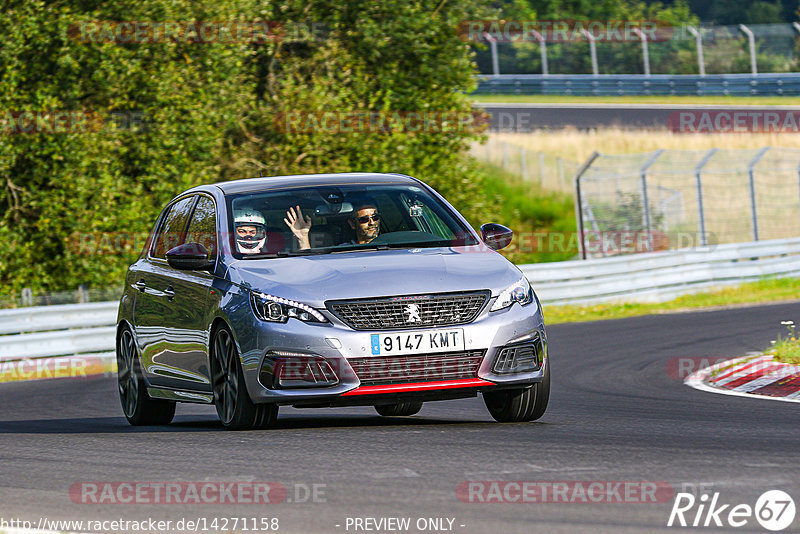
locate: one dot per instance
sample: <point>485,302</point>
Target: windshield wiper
<point>348,248</point>
<point>283,254</point>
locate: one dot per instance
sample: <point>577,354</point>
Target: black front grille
<point>414,311</point>
<point>383,370</point>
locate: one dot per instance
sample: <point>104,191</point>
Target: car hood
<point>315,279</point>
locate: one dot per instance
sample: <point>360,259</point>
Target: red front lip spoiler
<point>419,386</point>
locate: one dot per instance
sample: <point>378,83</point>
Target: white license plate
<point>424,341</point>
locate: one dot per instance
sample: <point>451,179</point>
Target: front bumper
<point>337,344</point>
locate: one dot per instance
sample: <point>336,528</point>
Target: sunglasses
<point>366,218</point>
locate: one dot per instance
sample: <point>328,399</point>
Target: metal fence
<point>660,276</point>
<point>703,50</point>
<point>675,199</point>
<point>787,84</point>
<point>551,172</point>
<point>80,295</point>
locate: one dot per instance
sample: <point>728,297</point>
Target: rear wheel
<point>399,409</point>
<point>519,405</point>
<point>234,407</point>
<point>137,405</point>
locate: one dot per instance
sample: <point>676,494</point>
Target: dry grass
<point>575,145</point>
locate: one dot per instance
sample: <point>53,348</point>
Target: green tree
<point>71,203</point>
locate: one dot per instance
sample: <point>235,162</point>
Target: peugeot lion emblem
<point>412,311</point>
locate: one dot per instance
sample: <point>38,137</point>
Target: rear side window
<point>172,229</point>
<point>203,226</point>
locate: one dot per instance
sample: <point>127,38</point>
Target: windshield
<point>333,219</point>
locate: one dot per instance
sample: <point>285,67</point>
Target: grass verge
<point>532,212</point>
<point>762,291</point>
<point>787,350</point>
<point>652,99</point>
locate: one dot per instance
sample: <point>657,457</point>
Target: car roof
<point>306,180</point>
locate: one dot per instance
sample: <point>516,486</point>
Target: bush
<point>75,205</point>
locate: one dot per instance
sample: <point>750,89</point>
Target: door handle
<point>140,285</point>
<point>170,293</point>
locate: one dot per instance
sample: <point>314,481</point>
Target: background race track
<point>582,116</point>
<point>615,414</point>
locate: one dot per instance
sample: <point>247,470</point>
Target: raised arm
<point>299,226</point>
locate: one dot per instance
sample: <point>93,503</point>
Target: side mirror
<point>496,236</point>
<point>189,257</point>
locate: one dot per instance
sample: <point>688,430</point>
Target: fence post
<point>798,177</point>
<point>645,52</point>
<point>523,170</point>
<point>27,296</point>
<point>83,294</point>
<point>751,179</point>
<point>543,50</point>
<point>700,210</point>
<point>579,201</point>
<point>752,43</point>
<point>645,201</point>
<point>541,168</point>
<point>698,39</point>
<point>592,50</point>
<point>493,48</point>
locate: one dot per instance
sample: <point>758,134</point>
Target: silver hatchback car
<point>326,290</point>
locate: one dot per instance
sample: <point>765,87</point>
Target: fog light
<point>288,370</point>
<point>521,358</point>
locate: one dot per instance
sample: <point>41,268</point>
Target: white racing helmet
<point>251,243</point>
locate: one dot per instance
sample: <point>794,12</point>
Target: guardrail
<point>79,329</point>
<point>659,276</point>
<point>637,84</point>
<point>66,330</point>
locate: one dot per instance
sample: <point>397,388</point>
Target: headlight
<point>520,292</point>
<point>279,310</point>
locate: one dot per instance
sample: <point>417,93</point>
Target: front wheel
<point>137,405</point>
<point>234,407</point>
<point>519,405</point>
<point>399,409</point>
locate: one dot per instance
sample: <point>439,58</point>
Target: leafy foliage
<point>75,205</point>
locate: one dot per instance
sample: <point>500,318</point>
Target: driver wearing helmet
<point>251,231</point>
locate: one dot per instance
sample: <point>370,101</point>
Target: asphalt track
<point>528,117</point>
<point>616,414</point>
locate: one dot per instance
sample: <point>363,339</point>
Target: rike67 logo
<point>774,510</point>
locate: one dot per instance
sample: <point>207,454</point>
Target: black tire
<point>399,409</point>
<point>519,405</point>
<point>234,407</point>
<point>138,407</point>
